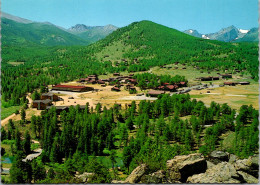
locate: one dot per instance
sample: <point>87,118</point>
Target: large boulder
<point>136,174</point>
<point>218,157</point>
<point>249,165</point>
<point>154,178</point>
<point>232,158</point>
<point>85,177</point>
<point>117,182</point>
<point>221,173</point>
<point>210,164</point>
<point>248,178</point>
<point>181,167</point>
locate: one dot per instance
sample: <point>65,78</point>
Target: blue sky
<point>206,16</point>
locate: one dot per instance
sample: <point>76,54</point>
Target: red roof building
<point>230,83</point>
<point>155,93</point>
<point>72,88</point>
<point>115,89</point>
<point>100,82</point>
<point>170,87</point>
<point>133,81</point>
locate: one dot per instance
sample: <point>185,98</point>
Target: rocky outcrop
<point>85,177</point>
<point>154,178</point>
<point>136,174</point>
<point>221,173</point>
<point>232,158</point>
<point>117,182</point>
<point>248,178</point>
<point>194,168</point>
<point>218,157</point>
<point>181,167</point>
<point>249,165</point>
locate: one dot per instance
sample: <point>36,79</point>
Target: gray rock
<point>210,164</point>
<point>136,174</point>
<point>221,173</point>
<point>117,182</point>
<point>232,158</point>
<point>248,178</point>
<point>85,177</point>
<point>218,157</point>
<point>155,178</point>
<point>249,165</point>
<point>181,167</point>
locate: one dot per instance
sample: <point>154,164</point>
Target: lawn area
<point>5,112</point>
<point>114,52</point>
<point>229,140</point>
<point>191,74</point>
<point>6,144</point>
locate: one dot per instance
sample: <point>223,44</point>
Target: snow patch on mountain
<point>205,37</point>
<point>243,31</point>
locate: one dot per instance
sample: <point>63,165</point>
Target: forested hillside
<point>97,139</point>
<point>150,133</point>
<point>137,47</point>
<point>153,45</point>
<point>44,34</point>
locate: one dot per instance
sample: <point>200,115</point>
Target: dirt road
<point>5,121</point>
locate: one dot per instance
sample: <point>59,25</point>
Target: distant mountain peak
<point>79,28</point>
<point>15,18</point>
<point>228,34</point>
<point>192,32</point>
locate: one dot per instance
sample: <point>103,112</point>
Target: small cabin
<point>154,93</point>
<point>230,83</point>
<point>170,88</point>
<point>226,75</point>
<point>215,78</point>
<point>183,83</point>
<point>132,81</point>
<point>49,96</point>
<point>244,83</point>
<point>100,82</point>
<point>206,78</point>
<point>115,89</point>
<point>116,74</point>
<point>41,104</point>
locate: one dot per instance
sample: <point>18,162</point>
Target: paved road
<point>36,153</point>
<point>143,97</point>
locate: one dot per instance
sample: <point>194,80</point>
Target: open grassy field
<point>191,74</point>
<point>235,96</point>
<point>104,96</point>
<point>15,63</point>
<point>5,112</point>
<point>114,52</point>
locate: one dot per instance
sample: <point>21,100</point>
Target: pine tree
<point>3,134</point>
<point>18,144</point>
<point>23,115</point>
<point>38,171</point>
<point>27,143</point>
<point>127,156</point>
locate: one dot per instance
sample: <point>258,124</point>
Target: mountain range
<point>16,30</point>
<point>92,33</point>
<point>229,34</point>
